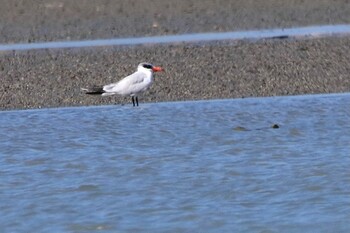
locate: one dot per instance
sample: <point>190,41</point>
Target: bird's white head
<point>144,66</point>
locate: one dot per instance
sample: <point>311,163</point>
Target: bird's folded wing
<point>126,83</point>
<point>137,77</point>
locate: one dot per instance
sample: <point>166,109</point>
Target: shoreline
<point>307,32</point>
<point>129,104</point>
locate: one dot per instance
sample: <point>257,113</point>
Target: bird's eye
<point>147,66</point>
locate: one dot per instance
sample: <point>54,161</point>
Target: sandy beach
<point>51,20</point>
<point>227,69</point>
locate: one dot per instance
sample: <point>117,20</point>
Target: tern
<point>132,85</point>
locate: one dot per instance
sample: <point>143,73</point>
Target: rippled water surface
<point>206,166</point>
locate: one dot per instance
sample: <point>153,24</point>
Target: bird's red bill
<point>157,68</point>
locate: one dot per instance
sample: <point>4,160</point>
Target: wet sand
<point>53,78</point>
<point>230,69</point>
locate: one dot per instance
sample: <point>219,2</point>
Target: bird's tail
<point>93,90</point>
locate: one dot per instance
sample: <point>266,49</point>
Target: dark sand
<point>38,20</point>
<point>231,69</point>
<point>52,78</point>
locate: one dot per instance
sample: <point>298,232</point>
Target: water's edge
<point>305,96</point>
<point>277,33</point>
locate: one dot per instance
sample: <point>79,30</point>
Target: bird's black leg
<point>137,101</point>
<point>133,101</point>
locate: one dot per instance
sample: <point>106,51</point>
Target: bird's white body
<point>132,85</point>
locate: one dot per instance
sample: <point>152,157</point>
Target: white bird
<point>132,85</point>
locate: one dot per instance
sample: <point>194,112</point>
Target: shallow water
<point>206,166</point>
<point>309,31</point>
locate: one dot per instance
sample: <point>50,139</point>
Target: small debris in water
<point>240,128</point>
<point>281,37</point>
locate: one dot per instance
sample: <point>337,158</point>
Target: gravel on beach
<point>228,69</point>
<point>51,20</point>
